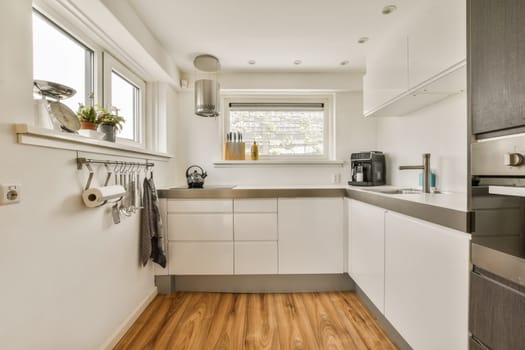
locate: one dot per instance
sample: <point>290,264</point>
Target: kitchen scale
<point>52,114</point>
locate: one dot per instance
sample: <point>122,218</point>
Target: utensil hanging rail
<point>86,161</point>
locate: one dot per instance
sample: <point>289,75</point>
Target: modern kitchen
<point>277,175</point>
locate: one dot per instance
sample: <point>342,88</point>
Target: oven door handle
<point>508,190</point>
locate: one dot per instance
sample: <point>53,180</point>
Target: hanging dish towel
<point>151,237</point>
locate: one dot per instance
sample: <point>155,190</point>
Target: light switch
<point>10,194</point>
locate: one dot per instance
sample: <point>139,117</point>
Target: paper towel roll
<point>96,196</point>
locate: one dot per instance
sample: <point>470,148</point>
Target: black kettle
<point>196,177</point>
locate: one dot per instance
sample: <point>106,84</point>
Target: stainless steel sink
<point>399,191</point>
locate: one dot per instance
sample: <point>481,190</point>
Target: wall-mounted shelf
<point>30,135</point>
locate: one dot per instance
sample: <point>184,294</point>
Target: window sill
<point>271,163</point>
<point>30,135</point>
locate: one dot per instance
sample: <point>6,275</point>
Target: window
<point>124,95</point>
<point>284,128</point>
<point>60,58</point>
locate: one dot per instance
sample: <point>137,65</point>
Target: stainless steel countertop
<point>421,207</point>
<point>241,192</point>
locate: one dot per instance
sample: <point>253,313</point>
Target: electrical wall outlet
<point>10,194</point>
<point>336,178</point>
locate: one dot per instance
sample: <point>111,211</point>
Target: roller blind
<point>238,106</point>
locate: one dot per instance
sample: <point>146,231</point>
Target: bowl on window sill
<point>91,134</point>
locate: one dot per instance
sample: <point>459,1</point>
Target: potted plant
<point>87,116</point>
<point>109,123</point>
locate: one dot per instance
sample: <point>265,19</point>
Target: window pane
<point>281,133</point>
<point>124,100</point>
<point>59,58</point>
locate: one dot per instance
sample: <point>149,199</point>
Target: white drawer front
<point>255,258</point>
<point>200,227</point>
<point>200,205</point>
<point>255,227</point>
<point>266,205</point>
<point>200,258</point>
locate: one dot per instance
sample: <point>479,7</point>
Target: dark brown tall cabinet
<point>496,56</point>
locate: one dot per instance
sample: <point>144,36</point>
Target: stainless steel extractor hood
<point>207,98</point>
<point>207,90</point>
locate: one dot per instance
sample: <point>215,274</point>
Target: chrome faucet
<point>426,171</point>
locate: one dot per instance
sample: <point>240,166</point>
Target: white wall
<point>69,276</point>
<point>198,139</point>
<point>439,129</point>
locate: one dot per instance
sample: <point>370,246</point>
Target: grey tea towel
<point>151,237</point>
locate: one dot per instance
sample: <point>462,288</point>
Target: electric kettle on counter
<point>196,177</point>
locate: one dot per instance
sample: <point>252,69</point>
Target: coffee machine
<point>368,169</point>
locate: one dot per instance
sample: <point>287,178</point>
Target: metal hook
<point>90,178</point>
<point>109,173</point>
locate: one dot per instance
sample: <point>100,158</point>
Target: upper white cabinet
<point>437,40</point>
<point>386,78</point>
<point>367,250</point>
<point>310,235</point>
<point>427,57</point>
<point>426,282</point>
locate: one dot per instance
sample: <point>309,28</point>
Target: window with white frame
<point>61,58</point>
<point>124,94</point>
<point>284,127</point>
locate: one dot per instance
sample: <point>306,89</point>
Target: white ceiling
<point>274,33</point>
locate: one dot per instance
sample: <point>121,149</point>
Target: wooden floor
<point>224,321</point>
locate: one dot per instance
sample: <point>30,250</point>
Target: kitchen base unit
<point>426,282</point>
<point>366,252</point>
<point>413,272</point>
<point>310,235</point>
<point>254,236</point>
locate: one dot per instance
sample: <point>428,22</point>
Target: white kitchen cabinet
<point>200,258</point>
<point>386,73</point>
<point>255,226</point>
<point>200,206</point>
<point>367,250</point>
<point>259,205</point>
<point>200,236</point>
<point>253,258</point>
<point>255,232</point>
<point>437,40</point>
<point>310,235</point>
<point>420,63</point>
<point>200,227</point>
<point>426,282</point>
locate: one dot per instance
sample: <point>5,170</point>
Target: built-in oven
<point>497,285</point>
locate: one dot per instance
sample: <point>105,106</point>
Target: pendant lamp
<point>207,90</point>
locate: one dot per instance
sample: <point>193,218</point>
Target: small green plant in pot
<point>109,123</point>
<point>87,116</point>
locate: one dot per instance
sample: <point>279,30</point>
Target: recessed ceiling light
<point>252,62</point>
<point>344,63</point>
<point>362,40</point>
<point>297,62</point>
<point>388,9</point>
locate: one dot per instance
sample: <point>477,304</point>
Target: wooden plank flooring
<point>224,321</point>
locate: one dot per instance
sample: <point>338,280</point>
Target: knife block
<point>234,151</point>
